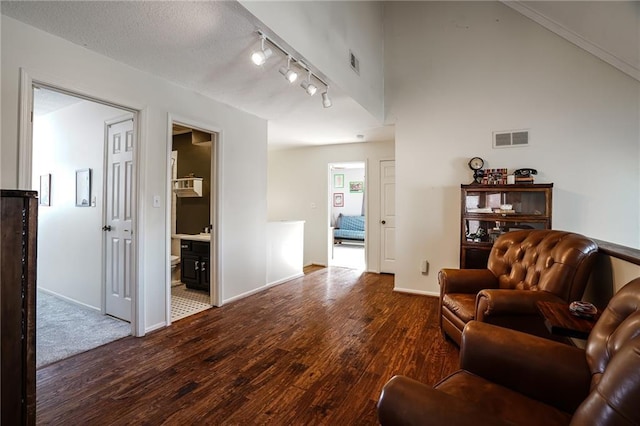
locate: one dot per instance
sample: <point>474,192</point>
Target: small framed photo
<point>83,188</point>
<point>356,186</point>
<point>338,181</point>
<point>45,190</point>
<point>338,199</point>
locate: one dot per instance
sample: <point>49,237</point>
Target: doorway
<point>347,215</point>
<point>67,167</point>
<point>193,185</point>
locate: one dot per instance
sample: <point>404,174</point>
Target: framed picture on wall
<point>83,188</point>
<point>45,190</point>
<point>338,199</point>
<point>356,186</point>
<point>338,181</point>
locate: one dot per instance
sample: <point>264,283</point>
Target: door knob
<point>383,222</point>
<point>106,228</point>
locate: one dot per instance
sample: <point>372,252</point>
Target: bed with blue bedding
<point>349,229</point>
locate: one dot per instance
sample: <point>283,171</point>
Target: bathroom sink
<point>194,237</point>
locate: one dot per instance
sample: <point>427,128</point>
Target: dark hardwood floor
<point>315,350</point>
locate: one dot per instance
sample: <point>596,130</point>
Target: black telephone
<point>525,172</point>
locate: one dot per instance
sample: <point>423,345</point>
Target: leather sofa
<point>524,267</point>
<point>509,377</point>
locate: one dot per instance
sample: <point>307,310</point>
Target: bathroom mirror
<point>83,188</point>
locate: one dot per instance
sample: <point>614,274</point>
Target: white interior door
<point>387,216</point>
<point>119,214</point>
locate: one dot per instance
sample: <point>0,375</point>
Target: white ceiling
<point>206,46</point>
<point>46,101</point>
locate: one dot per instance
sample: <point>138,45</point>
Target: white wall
<point>299,179</point>
<point>455,72</point>
<point>243,153</point>
<point>352,200</point>
<point>324,32</point>
<point>64,141</point>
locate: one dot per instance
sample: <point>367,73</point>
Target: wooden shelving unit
<point>482,220</point>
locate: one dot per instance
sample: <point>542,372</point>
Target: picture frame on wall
<point>338,199</point>
<point>356,186</point>
<point>338,181</point>
<point>45,190</point>
<point>83,188</point>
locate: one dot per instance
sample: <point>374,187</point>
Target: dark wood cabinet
<point>194,269</point>
<point>19,211</point>
<point>488,211</point>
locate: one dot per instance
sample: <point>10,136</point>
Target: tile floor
<point>185,302</point>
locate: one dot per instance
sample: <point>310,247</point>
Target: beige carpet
<point>64,329</point>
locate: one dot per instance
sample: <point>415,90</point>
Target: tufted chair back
<point>613,356</point>
<point>558,262</point>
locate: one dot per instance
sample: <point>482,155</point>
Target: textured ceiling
<point>206,47</point>
<point>46,101</point>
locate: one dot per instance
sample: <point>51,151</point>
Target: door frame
<point>367,209</point>
<point>215,254</point>
<point>28,80</point>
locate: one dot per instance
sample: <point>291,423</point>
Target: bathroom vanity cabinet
<point>194,272</point>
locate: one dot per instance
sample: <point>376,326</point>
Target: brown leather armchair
<point>509,377</point>
<point>524,267</point>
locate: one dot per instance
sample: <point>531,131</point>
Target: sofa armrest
<point>542,369</point>
<point>466,280</point>
<point>511,302</point>
<point>405,401</point>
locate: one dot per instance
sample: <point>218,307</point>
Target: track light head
<point>309,87</point>
<point>259,57</point>
<point>326,100</point>
<point>289,74</point>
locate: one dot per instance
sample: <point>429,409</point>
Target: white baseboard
<point>259,289</point>
<point>243,295</point>
<point>419,292</point>
<point>284,280</point>
<point>154,327</point>
<point>68,299</point>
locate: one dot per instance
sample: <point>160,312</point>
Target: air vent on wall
<point>511,139</point>
<point>354,62</point>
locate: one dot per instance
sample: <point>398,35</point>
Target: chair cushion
<point>463,305</point>
<point>500,401</point>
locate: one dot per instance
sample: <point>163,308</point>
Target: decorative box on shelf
<point>188,187</point>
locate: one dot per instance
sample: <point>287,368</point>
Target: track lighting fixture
<point>287,72</point>
<point>261,56</point>
<point>326,100</point>
<point>308,86</point>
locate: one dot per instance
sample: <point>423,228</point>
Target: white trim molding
<point>418,292</point>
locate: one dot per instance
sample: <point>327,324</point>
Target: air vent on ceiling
<point>354,62</point>
<point>511,139</point>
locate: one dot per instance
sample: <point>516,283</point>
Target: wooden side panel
<point>17,306</point>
